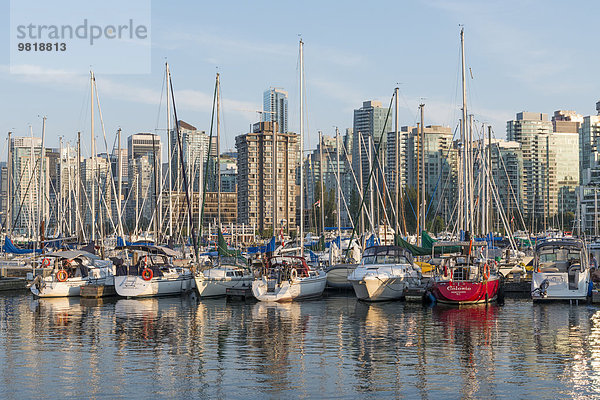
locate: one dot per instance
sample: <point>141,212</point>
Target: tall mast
<point>8,223</point>
<point>321,173</point>
<point>156,189</point>
<point>219,153</point>
<point>301,148</point>
<point>40,194</point>
<point>361,189</point>
<point>418,181</point>
<point>93,199</point>
<point>78,190</point>
<point>463,137</point>
<point>120,182</point>
<point>169,154</point>
<point>397,165</point>
<point>339,184</point>
<point>423,200</point>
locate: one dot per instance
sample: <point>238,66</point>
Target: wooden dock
<point>239,294</point>
<point>97,291</point>
<point>13,284</point>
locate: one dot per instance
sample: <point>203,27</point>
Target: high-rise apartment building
<point>275,108</point>
<point>256,181</point>
<point>550,165</point>
<point>195,144</point>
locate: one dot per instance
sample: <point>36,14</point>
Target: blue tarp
<point>9,247</point>
<point>268,248</point>
<point>122,243</point>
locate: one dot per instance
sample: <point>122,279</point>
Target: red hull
<point>457,292</point>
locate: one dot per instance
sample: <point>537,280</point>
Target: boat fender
<point>61,275</point>
<point>45,262</point>
<point>445,270</point>
<point>147,274</point>
<point>293,274</point>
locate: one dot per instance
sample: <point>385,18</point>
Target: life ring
<point>486,271</point>
<point>293,274</point>
<point>147,274</point>
<point>61,275</point>
<point>46,262</point>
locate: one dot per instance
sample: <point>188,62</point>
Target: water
<point>335,347</point>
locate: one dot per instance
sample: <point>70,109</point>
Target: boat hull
<point>71,287</point>
<point>460,292</point>
<point>373,288</point>
<point>217,287</point>
<point>559,287</point>
<point>135,286</point>
<point>299,288</point>
<point>337,276</point>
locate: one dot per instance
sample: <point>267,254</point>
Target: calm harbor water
<point>334,347</point>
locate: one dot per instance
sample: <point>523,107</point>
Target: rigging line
<point>373,169</point>
<point>162,90</point>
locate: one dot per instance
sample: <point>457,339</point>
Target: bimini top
<point>387,253</point>
<point>560,242</point>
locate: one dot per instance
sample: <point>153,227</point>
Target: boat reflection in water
<point>331,347</point>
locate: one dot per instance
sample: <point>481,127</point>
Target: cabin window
<point>229,273</point>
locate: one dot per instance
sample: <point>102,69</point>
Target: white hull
<point>384,282</point>
<point>299,288</point>
<point>559,287</point>
<point>337,276</point>
<point>216,287</point>
<point>71,287</point>
<point>135,286</point>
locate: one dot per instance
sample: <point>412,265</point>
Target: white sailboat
<point>72,270</point>
<point>215,281</point>
<point>151,273</point>
<point>287,278</point>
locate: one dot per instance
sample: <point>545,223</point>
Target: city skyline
<point>413,46</point>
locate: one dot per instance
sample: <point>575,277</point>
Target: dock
<point>12,284</point>
<point>97,291</point>
<point>239,294</point>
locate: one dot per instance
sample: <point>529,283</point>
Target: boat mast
<point>339,185</point>
<point>464,141</point>
<point>397,165</point>
<point>301,149</point>
<point>361,189</point>
<point>93,199</point>
<point>423,200</point>
<point>8,223</point>
<point>169,153</point>
<point>40,195</point>
<point>321,172</point>
<point>120,183</point>
<point>219,154</point>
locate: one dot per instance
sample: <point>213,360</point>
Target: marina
<point>335,347</point>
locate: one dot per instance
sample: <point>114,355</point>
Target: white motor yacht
<point>384,273</point>
<point>214,282</point>
<point>560,270</point>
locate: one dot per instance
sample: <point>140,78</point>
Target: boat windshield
<point>558,259</point>
<point>385,255</point>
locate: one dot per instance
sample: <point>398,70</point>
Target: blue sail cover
<point>9,247</point>
<point>268,248</point>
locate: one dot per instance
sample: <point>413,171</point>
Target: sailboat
<point>150,270</point>
<point>226,274</point>
<point>465,277</point>
<point>287,278</point>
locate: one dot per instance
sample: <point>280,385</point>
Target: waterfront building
<point>507,170</point>
<point>588,211</point>
<point>142,148</point>
<point>256,180</point>
<point>275,108</point>
<point>369,127</point>
<point>312,170</point>
<point>26,194</point>
<point>550,166</point>
<point>195,144</point>
<point>403,134</point>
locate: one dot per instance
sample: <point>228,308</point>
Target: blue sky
<point>524,55</point>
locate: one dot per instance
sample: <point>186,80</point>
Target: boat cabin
<point>377,255</point>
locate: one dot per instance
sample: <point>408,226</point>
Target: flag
<point>317,203</point>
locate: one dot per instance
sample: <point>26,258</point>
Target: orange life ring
<point>61,275</point>
<point>486,271</point>
<point>147,274</point>
<point>45,262</point>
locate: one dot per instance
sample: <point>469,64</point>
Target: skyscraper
<point>256,181</point>
<point>275,108</point>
